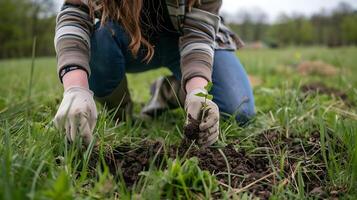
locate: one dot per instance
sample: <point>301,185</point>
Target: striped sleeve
<point>72,38</point>
<point>197,42</point>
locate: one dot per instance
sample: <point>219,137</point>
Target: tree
<point>349,29</point>
<point>335,28</point>
<point>259,24</point>
<point>21,21</point>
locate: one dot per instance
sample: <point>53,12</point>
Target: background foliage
<point>22,20</point>
<point>335,28</point>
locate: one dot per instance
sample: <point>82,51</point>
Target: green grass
<point>30,146</point>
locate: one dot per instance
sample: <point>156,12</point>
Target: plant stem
<point>32,69</point>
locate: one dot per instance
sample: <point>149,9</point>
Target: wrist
<point>197,91</point>
<point>78,78</point>
<point>68,69</point>
<point>195,83</point>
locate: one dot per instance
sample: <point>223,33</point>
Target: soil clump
<point>192,129</point>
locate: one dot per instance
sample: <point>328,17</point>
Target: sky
<point>273,8</point>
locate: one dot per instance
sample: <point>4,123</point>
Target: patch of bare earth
<point>255,81</point>
<point>316,68</point>
<point>257,171</point>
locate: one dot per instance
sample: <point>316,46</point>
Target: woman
<point>187,36</point>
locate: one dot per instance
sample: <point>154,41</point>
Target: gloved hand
<point>77,114</point>
<point>209,126</point>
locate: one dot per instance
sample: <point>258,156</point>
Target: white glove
<point>77,114</point>
<point>209,126</point>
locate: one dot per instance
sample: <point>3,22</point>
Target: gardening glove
<point>209,125</point>
<point>77,114</point>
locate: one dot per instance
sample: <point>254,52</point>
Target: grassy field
<point>299,146</point>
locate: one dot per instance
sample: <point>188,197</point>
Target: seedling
<point>204,107</point>
<point>191,130</point>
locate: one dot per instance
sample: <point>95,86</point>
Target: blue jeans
<point>111,59</point>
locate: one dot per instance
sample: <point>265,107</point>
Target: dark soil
<point>245,167</point>
<point>128,161</point>
<point>321,88</point>
<point>304,150</point>
<point>192,129</point>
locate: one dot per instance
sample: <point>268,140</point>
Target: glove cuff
<point>193,93</point>
<point>77,89</point>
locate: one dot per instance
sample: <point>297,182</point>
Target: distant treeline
<point>22,20</point>
<point>335,28</point>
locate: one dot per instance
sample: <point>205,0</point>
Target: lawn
<point>300,145</point>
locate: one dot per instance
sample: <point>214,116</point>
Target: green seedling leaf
<point>208,87</point>
<point>201,95</point>
<point>206,96</point>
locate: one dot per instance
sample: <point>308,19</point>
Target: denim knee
<point>107,59</point>
<point>231,90</point>
<point>245,113</point>
<point>242,111</point>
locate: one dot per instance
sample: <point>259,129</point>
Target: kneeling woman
<point>97,42</point>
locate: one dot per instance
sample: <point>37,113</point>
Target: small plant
<point>204,107</point>
<point>191,130</point>
<point>208,88</point>
<point>181,180</point>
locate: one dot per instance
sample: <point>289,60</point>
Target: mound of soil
<point>244,169</point>
<point>255,81</point>
<point>316,68</point>
<point>128,161</point>
<point>254,171</point>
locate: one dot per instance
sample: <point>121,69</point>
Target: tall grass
<point>37,163</point>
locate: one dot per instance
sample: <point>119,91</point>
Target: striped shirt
<point>200,27</point>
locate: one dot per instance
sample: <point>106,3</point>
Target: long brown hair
<point>128,14</point>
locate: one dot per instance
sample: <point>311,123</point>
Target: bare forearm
<point>195,83</point>
<point>75,78</point>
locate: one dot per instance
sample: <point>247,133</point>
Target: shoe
<point>165,95</point>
